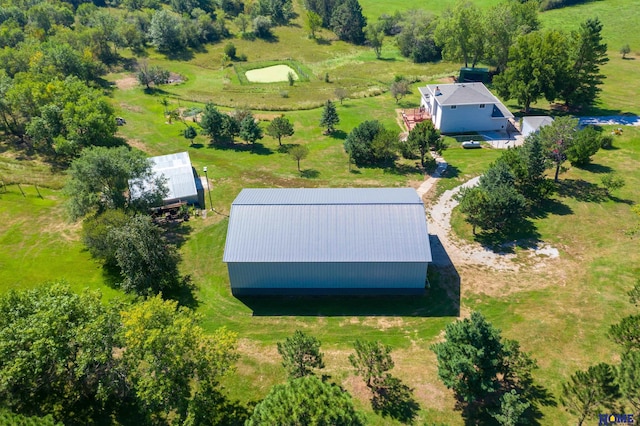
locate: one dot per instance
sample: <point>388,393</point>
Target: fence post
<point>20,188</point>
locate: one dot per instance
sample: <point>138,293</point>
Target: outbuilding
<point>182,181</point>
<point>327,241</point>
<point>532,124</point>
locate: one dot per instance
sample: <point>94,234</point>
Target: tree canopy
<point>306,401</point>
<point>587,393</point>
<point>83,360</point>
<point>479,365</point>
<point>280,127</point>
<point>112,178</point>
<point>300,354</point>
<point>348,22</point>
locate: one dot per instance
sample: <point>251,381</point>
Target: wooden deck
<point>411,117</point>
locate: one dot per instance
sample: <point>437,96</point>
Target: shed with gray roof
<point>464,107</point>
<point>532,124</point>
<point>182,181</point>
<point>327,241</point>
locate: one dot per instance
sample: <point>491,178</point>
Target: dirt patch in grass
<point>261,353</point>
<point>126,83</point>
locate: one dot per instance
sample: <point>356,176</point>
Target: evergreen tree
<point>512,407</point>
<point>470,358</point>
<point>306,401</point>
<point>588,392</point>
<point>329,117</point>
<point>629,378</point>
<point>627,333</point>
<point>371,360</point>
<point>300,354</point>
<point>190,134</point>
<point>585,145</point>
<point>581,88</point>
<point>250,131</point>
<point>348,22</point>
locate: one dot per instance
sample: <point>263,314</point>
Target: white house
<point>464,107</point>
<point>533,123</point>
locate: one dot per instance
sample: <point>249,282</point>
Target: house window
<point>481,105</point>
<point>453,106</point>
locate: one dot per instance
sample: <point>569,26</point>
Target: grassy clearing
<point>560,311</point>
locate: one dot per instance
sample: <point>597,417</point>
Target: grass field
<point>559,309</point>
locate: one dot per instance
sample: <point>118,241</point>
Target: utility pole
<point>208,187</point>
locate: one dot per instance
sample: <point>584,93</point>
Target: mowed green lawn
<point>559,309</point>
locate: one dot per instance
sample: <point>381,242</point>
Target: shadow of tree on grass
<point>394,399</point>
<point>310,173</point>
<point>582,190</point>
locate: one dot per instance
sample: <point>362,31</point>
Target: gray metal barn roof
<point>327,225</point>
<point>177,169</point>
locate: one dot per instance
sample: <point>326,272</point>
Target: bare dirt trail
<point>461,252</point>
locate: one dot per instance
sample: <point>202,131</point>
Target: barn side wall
<point>328,278</point>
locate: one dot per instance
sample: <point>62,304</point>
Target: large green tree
<point>56,353</point>
<point>504,22</point>
<point>364,146</point>
<point>416,39</point>
<point>306,401</point>
<point>165,31</point>
<point>496,205</point>
<point>111,178</point>
<point>348,22</point>
<point>461,34</point>
<point>538,61</point>
<point>250,130</point>
<point>148,263</point>
<point>300,354</point>
<point>470,358</point>
<point>588,53</point>
<point>170,359</point>
<point>217,125</point>
<point>587,393</point>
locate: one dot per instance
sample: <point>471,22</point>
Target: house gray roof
<point>327,225</point>
<point>177,169</point>
<point>463,94</point>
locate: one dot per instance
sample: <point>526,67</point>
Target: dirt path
<point>457,252</point>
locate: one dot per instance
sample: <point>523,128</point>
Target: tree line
<point>76,359</point>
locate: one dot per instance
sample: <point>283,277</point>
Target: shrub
<point>230,50</point>
<point>606,142</point>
